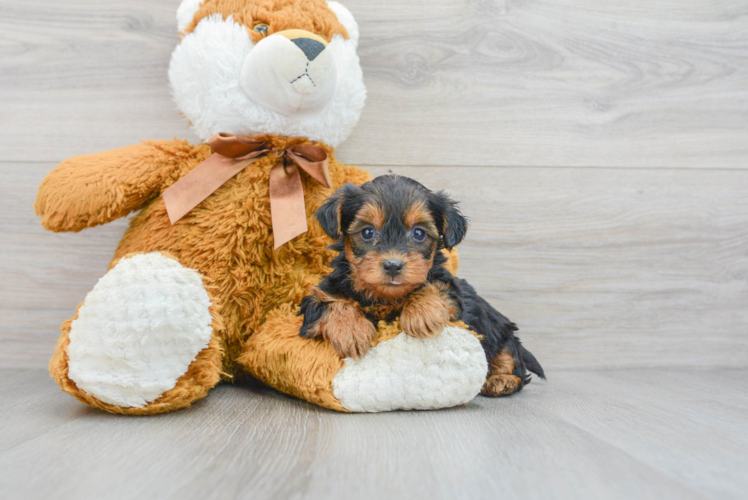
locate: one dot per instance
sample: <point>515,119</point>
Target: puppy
<point>390,233</point>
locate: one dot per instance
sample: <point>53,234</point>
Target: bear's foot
<point>143,340</point>
<point>398,373</point>
<point>406,373</point>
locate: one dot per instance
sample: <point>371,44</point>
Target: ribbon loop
<point>232,154</point>
<point>237,147</point>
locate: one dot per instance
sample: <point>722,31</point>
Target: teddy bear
<point>206,282</point>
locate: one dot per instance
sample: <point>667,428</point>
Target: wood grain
<point>580,435</point>
<point>601,268</point>
<point>630,83</point>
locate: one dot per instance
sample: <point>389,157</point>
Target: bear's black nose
<point>310,48</point>
<point>392,267</point>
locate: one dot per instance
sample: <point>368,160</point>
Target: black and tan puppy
<point>390,233</point>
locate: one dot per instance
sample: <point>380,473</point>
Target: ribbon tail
<point>313,160</point>
<point>189,191</point>
<point>287,208</point>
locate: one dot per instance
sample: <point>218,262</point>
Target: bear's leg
<point>144,340</point>
<point>398,373</point>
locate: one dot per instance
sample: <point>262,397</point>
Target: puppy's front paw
<point>425,314</point>
<point>348,331</point>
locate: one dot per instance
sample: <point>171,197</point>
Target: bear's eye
<point>261,28</point>
<point>419,234</point>
<point>367,233</point>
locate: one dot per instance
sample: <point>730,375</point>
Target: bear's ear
<point>454,224</point>
<point>186,12</point>
<point>346,19</point>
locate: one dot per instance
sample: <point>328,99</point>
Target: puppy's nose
<point>393,267</point>
<point>310,48</point>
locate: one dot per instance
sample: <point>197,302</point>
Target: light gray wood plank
<point>721,387</point>
<point>33,405</point>
<point>43,275</point>
<point>601,268</point>
<point>84,76</point>
<point>548,83</point>
<point>580,435</point>
<point>654,424</point>
<point>579,83</point>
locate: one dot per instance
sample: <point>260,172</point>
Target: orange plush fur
<point>227,238</point>
<point>310,15</point>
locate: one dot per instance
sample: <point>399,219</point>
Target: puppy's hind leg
<point>502,379</point>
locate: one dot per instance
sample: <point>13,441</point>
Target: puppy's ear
<point>329,214</point>
<point>454,225</point>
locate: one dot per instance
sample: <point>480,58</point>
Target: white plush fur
<point>186,12</point>
<point>214,79</point>
<point>277,75</point>
<point>139,330</point>
<point>346,19</point>
<point>414,374</point>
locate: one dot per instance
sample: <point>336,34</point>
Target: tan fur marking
<point>503,363</point>
<point>311,15</point>
<point>369,214</point>
<point>500,381</point>
<point>344,326</point>
<point>369,278</point>
<point>453,260</point>
<point>381,311</point>
<point>418,214</point>
<point>427,312</point>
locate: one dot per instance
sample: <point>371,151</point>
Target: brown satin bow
<point>232,154</point>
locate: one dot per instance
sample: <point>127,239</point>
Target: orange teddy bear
<point>197,291</point>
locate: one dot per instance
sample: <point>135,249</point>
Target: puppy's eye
<point>419,234</point>
<point>368,233</point>
<point>261,28</point>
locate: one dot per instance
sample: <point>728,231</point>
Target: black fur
<point>454,224</point>
<point>313,311</point>
<point>396,194</point>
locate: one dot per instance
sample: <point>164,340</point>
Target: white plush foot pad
<point>414,374</point>
<point>139,330</point>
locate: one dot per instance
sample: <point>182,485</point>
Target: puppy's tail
<point>531,363</point>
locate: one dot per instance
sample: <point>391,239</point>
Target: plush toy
<point>206,283</point>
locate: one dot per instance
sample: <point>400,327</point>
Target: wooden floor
<point>604,435</point>
<point>600,150</point>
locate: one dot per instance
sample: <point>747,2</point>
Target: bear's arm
<point>89,190</point>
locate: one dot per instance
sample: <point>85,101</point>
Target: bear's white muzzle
<point>290,72</point>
